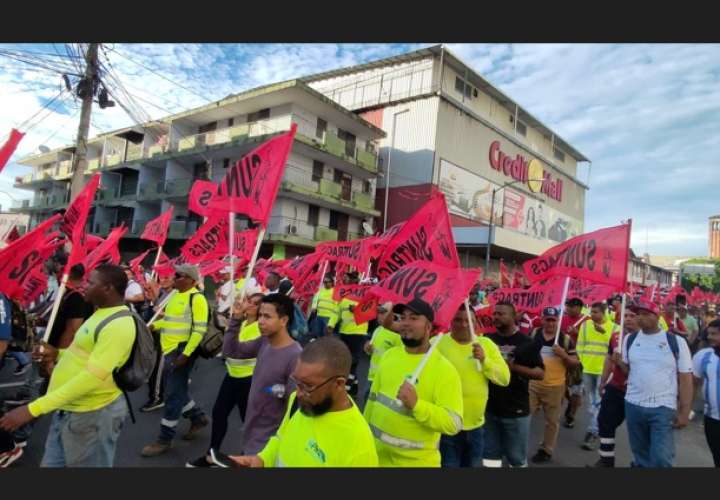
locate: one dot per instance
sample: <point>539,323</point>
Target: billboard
<point>469,195</point>
<point>534,218</point>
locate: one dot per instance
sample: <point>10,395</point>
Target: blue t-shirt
<point>5,318</point>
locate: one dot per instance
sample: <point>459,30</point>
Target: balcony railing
<point>112,160</point>
<point>287,226</point>
<point>134,152</point>
<point>323,233</point>
<point>178,187</point>
<point>93,165</point>
<point>363,200</point>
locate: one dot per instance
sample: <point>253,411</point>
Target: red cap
<point>646,305</point>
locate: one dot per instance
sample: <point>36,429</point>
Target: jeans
<point>177,397</point>
<point>85,439</point>
<point>550,399</point>
<point>22,358</point>
<point>591,387</point>
<point>156,383</point>
<point>610,417</point>
<point>233,393</point>
<point>464,449</point>
<point>318,326</point>
<point>650,433</point>
<point>712,434</point>
<point>508,437</point>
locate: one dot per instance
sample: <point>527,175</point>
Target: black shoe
<point>21,369</point>
<point>601,463</point>
<point>200,462</point>
<point>541,457</point>
<point>569,422</point>
<point>152,406</point>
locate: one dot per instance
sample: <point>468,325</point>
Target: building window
<point>463,87</point>
<point>333,219</point>
<point>313,215</point>
<point>263,114</point>
<point>318,168</point>
<point>208,127</point>
<point>559,155</point>
<point>366,187</point>
<point>226,162</point>
<point>321,128</point>
<point>231,122</point>
<point>521,127</point>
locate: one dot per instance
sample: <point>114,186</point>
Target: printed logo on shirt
<point>507,350</point>
<point>314,449</point>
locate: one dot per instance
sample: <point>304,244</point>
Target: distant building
<point>714,237</point>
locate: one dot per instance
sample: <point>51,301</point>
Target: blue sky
<point>646,115</point>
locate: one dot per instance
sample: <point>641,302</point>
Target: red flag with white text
<point>157,229</point>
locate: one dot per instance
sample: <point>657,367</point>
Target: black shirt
<point>513,400</point>
<point>72,306</point>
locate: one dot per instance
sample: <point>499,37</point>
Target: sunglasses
<point>181,276</point>
<point>309,389</point>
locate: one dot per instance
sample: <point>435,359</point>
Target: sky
<point>647,115</point>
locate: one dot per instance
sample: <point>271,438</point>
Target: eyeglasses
<point>308,389</point>
<point>180,276</point>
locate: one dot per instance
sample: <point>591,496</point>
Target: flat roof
<point>474,77</point>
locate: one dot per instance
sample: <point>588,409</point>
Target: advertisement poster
<point>533,218</point>
<point>469,195</point>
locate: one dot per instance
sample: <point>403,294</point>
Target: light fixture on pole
<point>492,218</point>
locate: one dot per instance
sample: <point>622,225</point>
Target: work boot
<point>603,463</point>
<point>195,427</point>
<point>541,456</point>
<point>152,405</point>
<point>569,422</point>
<point>590,443</point>
<point>155,449</point>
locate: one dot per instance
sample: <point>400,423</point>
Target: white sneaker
<point>692,414</point>
<point>9,457</point>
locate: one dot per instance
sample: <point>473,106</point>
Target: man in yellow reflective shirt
<point>407,420</point>
<point>382,339</point>
<point>88,407</point>
<point>478,362</point>
<point>329,430</point>
<point>181,329</point>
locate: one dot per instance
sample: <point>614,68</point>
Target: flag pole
<point>56,306</point>
<point>251,265</point>
<point>231,248</point>
<point>157,260</point>
<point>473,336</point>
<point>562,308</point>
<point>624,296</point>
<point>161,307</point>
<point>423,362</point>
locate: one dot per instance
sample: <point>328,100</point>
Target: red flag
<point>22,255</point>
<point>12,235</point>
<point>210,267</point>
<point>519,280</point>
<point>309,285</point>
<point>9,147</point>
<point>504,275</point>
<point>426,236</point>
<point>200,196</point>
<point>135,265</point>
<point>600,256</point>
<point>366,309</point>
<point>165,269</point>
<point>650,293</point>
<point>73,224</point>
<point>106,252</point>
<point>35,284</point>
<point>251,185</point>
<point>157,229</point>
<point>92,242</point>
<point>352,292</point>
<point>444,288</point>
<point>484,318</point>
<point>300,267</point>
<point>353,253</point>
<point>244,244</point>
<point>25,291</point>
<point>211,239</point>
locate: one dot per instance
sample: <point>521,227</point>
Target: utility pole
<point>86,91</point>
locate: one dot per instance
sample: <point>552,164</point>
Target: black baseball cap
<point>417,306</point>
<point>550,312</point>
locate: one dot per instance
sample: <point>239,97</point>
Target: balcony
<point>101,228</point>
<point>151,191</point>
<point>134,152</point>
<point>325,234</point>
<point>64,170</point>
<point>178,229</point>
<point>367,159</point>
<point>137,227</point>
<point>112,160</point>
<point>155,150</point>
<point>329,188</point>
<point>292,231</point>
<point>363,200</point>
<point>335,146</point>
<point>93,165</point>
<point>19,205</point>
<point>178,187</point>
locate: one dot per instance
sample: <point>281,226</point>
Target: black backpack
<point>21,331</point>
<point>139,366</point>
<point>212,342</point>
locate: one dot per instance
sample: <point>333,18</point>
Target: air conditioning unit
<point>290,229</point>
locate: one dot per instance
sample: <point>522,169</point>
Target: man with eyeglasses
<point>324,307</point>
<point>182,328</point>
<point>407,419</point>
<point>329,430</point>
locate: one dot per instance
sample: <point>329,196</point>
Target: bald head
<point>331,352</point>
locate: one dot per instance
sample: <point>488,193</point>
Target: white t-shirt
<point>652,381</point>
<point>710,373</point>
<point>226,303</point>
<point>133,288</point>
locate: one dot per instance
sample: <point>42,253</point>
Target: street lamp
<point>492,217</point>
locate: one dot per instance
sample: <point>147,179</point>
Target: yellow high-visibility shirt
<point>82,378</point>
<point>475,382</point>
<point>347,319</point>
<point>334,439</point>
<point>241,368</point>
<point>183,324</point>
<point>382,340</point>
<point>592,345</point>
<point>410,438</point>
<point>324,304</point>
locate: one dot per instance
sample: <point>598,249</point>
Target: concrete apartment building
<point>449,128</point>
<point>328,190</point>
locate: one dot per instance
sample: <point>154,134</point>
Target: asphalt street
<point>692,450</point>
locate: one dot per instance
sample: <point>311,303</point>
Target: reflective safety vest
<point>382,340</point>
<point>182,323</point>
<point>405,437</point>
<point>241,368</point>
<point>592,346</point>
<point>347,319</point>
<point>324,304</point>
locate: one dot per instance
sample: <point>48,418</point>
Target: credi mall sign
<point>529,172</point>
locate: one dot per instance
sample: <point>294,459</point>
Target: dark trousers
<point>233,393</point>
<point>156,384</point>
<point>355,343</point>
<point>610,417</point>
<point>712,434</point>
<point>178,401</point>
